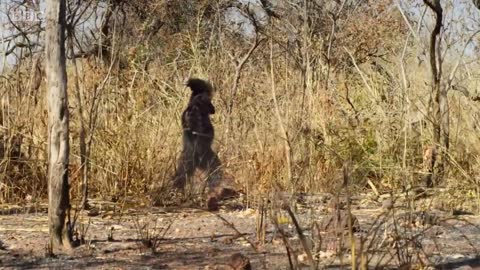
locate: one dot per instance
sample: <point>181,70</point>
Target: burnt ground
<point>119,237</point>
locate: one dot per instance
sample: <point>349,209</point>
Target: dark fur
<point>198,134</point>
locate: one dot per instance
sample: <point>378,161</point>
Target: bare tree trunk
<point>58,186</point>
<point>440,117</point>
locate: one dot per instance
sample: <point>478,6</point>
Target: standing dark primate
<point>198,134</point>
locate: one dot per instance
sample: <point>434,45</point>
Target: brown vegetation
<point>345,90</point>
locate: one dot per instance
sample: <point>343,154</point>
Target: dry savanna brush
<point>240,134</point>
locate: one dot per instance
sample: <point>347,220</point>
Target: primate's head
<point>201,98</point>
<point>199,87</point>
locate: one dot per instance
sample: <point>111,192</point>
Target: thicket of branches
<point>302,88</point>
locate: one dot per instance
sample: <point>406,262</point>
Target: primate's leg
<point>210,163</point>
<point>185,170</point>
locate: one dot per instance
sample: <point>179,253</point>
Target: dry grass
<point>366,116</point>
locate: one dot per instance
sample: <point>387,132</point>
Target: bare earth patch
<point>159,238</point>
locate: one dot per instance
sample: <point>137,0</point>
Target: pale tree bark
<point>440,115</point>
<point>58,144</point>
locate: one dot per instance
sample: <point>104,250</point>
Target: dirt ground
<point>161,238</point>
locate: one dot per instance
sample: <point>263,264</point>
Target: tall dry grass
<point>372,115</point>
